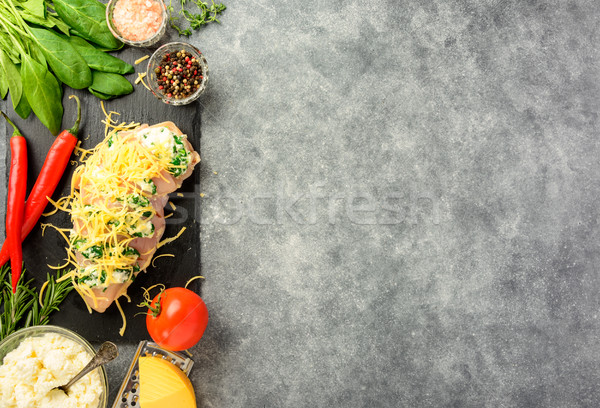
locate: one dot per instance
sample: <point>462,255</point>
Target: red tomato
<point>181,319</point>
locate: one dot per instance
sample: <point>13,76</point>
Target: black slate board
<point>38,252</point>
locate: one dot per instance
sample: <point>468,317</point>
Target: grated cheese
<point>193,279</point>
<point>169,240</point>
<point>122,330</point>
<point>42,289</point>
<point>142,59</point>
<point>140,77</point>
<point>160,256</point>
<point>111,204</point>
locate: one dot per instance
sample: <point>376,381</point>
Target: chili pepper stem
<point>16,131</point>
<point>75,127</point>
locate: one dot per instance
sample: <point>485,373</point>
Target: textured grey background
<point>405,210</point>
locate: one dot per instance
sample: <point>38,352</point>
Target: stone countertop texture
<point>400,205</point>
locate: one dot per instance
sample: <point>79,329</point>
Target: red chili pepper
<point>15,206</point>
<point>54,166</point>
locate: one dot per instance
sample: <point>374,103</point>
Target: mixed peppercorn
<point>179,75</point>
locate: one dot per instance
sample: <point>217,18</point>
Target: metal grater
<point>128,395</point>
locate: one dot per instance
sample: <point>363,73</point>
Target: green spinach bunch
<point>44,45</point>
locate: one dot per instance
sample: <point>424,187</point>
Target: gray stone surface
<point>467,133</point>
<point>400,205</point>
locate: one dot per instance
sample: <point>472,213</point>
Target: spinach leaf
<point>3,85</point>
<point>49,22</point>
<point>64,60</point>
<point>100,94</point>
<point>23,109</point>
<point>35,7</point>
<point>61,25</point>
<point>93,44</point>
<point>43,93</point>
<point>110,84</point>
<point>6,43</point>
<point>88,18</point>
<point>13,78</point>
<point>77,41</point>
<point>41,21</point>
<point>38,55</point>
<point>104,49</point>
<point>9,48</point>
<point>97,59</point>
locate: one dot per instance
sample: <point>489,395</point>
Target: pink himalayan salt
<point>137,20</point>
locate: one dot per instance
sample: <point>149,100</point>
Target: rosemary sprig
<point>208,14</point>
<point>21,309</point>
<point>54,294</point>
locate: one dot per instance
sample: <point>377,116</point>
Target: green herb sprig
<point>208,14</point>
<point>22,309</point>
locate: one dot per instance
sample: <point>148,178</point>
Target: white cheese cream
<point>29,373</point>
<point>160,137</point>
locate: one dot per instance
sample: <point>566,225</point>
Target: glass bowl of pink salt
<point>140,23</point>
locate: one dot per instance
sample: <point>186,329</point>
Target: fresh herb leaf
<point>108,83</point>
<point>129,251</point>
<point>41,21</point>
<point>38,55</point>
<point>43,92</point>
<point>7,46</point>
<point>54,294</point>
<point>23,109</point>
<point>88,18</point>
<point>35,7</point>
<point>208,14</point>
<point>9,69</point>
<point>101,95</point>
<point>97,59</point>
<point>93,252</point>
<point>61,25</point>
<point>65,61</point>
<point>21,309</point>
<point>3,85</point>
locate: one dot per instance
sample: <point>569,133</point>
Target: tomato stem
<point>156,308</point>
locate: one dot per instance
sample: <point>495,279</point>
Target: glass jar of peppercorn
<point>177,73</point>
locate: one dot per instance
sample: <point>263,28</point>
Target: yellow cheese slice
<point>163,384</point>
